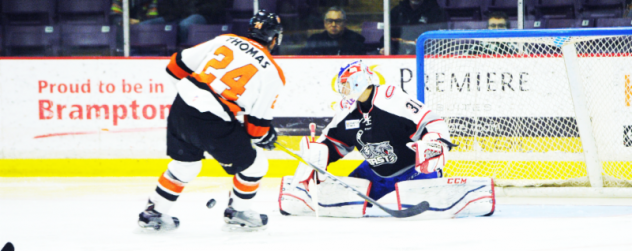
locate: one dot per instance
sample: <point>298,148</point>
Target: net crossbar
<point>533,108</point>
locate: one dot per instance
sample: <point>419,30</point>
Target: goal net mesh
<point>509,107</point>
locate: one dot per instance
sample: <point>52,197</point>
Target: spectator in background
<point>498,20</point>
<point>336,39</point>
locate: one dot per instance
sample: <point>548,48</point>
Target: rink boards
<point>106,117</point>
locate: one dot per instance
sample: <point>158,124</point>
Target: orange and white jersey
<point>229,76</point>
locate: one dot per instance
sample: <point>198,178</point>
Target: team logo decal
<point>366,119</point>
<point>376,153</point>
<point>352,124</point>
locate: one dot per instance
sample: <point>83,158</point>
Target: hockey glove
<point>267,141</point>
<point>430,153</point>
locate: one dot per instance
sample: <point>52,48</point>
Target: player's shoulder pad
<point>394,100</point>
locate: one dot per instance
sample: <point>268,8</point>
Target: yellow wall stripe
<point>138,167</point>
<point>508,170</point>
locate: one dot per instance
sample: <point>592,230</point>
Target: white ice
<point>101,214</point>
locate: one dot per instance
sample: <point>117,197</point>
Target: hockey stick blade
<point>411,211</point>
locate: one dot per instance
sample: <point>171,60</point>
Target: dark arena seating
<point>373,35</point>
<point>603,8</point>
<point>555,8</point>
<point>29,12</point>
<point>88,39</point>
<point>535,24</point>
<point>509,7</point>
<point>462,9</point>
<point>199,33</point>
<point>614,22</point>
<point>91,27</point>
<point>156,38</point>
<point>570,23</point>
<point>36,40</point>
<point>240,15</point>
<point>468,25</point>
<point>84,11</point>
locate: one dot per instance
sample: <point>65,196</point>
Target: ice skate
<point>244,220</point>
<point>152,219</point>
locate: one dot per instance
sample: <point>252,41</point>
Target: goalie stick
<point>411,211</point>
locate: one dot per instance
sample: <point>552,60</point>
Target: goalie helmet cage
<point>544,109</point>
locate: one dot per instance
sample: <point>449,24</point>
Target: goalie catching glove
<point>430,153</point>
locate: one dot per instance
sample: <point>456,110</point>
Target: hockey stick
<point>411,211</point>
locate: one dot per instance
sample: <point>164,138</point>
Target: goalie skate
<point>152,219</point>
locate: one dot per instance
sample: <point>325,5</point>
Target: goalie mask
<point>353,79</point>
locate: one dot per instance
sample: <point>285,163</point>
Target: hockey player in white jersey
<point>227,89</point>
<point>404,144</point>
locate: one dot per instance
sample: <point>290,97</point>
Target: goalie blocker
<point>453,197</point>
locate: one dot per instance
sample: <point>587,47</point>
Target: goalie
<point>405,146</point>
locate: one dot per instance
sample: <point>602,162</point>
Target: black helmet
<point>264,26</point>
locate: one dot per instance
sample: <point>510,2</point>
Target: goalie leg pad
<point>334,200</point>
<point>449,197</point>
<point>294,200</point>
<point>382,186</point>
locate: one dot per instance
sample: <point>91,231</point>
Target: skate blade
<point>148,228</point>
<point>239,228</point>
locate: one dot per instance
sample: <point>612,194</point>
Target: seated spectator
<point>336,39</point>
<point>498,20</point>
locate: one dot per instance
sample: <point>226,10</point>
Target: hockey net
<point>509,105</point>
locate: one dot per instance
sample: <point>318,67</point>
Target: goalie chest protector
<point>380,128</point>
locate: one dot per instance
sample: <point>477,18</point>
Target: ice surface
<point>101,214</point>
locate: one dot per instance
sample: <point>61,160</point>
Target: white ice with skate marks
<point>101,214</point>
